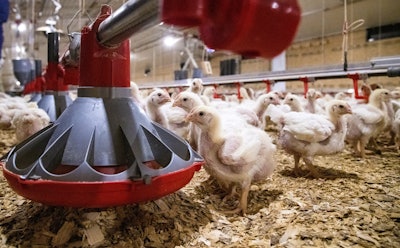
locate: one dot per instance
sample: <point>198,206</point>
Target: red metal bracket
<point>216,95</point>
<point>355,77</point>
<point>305,85</point>
<point>239,95</point>
<point>269,84</point>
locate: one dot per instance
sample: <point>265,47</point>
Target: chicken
<point>154,101</point>
<point>159,109</point>
<point>234,154</point>
<point>29,121</point>
<point>368,121</point>
<point>312,106</point>
<point>252,113</point>
<point>208,94</point>
<point>9,106</point>
<point>294,102</point>
<point>305,135</point>
<point>262,103</point>
<point>176,120</point>
<point>137,96</point>
<point>188,101</point>
<point>196,86</point>
<point>396,129</point>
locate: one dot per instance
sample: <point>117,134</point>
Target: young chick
<point>196,86</point>
<point>396,129</point>
<point>368,121</point>
<point>312,106</point>
<point>136,95</point>
<point>294,102</point>
<point>154,101</point>
<point>235,154</point>
<point>305,135</point>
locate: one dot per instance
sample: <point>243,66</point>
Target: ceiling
<point>319,17</point>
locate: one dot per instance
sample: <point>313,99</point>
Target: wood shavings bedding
<point>358,207</point>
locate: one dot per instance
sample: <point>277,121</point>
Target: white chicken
<point>137,96</point>
<point>187,101</point>
<point>159,109</point>
<point>9,106</point>
<point>312,107</point>
<point>261,104</point>
<point>294,102</point>
<point>196,86</point>
<point>396,129</point>
<point>154,101</point>
<point>368,121</point>
<point>305,135</point>
<point>238,154</point>
<point>176,120</point>
<point>29,121</point>
<point>208,94</point>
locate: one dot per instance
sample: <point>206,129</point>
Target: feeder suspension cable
<point>346,29</point>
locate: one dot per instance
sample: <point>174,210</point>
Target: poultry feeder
<point>22,70</point>
<point>35,87</point>
<point>56,96</point>
<point>103,150</point>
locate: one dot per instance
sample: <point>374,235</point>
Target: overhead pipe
<point>287,76</point>
<point>131,18</point>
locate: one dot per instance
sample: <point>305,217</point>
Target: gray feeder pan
<point>93,134</point>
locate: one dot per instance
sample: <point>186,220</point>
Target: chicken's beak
<point>189,117</point>
<point>175,103</point>
<point>348,109</point>
<point>166,99</point>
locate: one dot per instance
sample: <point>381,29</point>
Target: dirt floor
<point>358,207</point>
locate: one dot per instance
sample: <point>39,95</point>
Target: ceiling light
<point>170,40</point>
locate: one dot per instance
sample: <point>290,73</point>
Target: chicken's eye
<point>159,94</point>
<point>341,106</point>
<point>271,98</point>
<point>201,113</point>
<point>291,99</point>
<point>184,99</point>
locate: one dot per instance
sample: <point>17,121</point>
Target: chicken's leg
<point>245,189</point>
<point>296,164</point>
<point>314,172</point>
<point>363,143</point>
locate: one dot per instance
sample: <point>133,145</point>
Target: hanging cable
<point>346,29</point>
